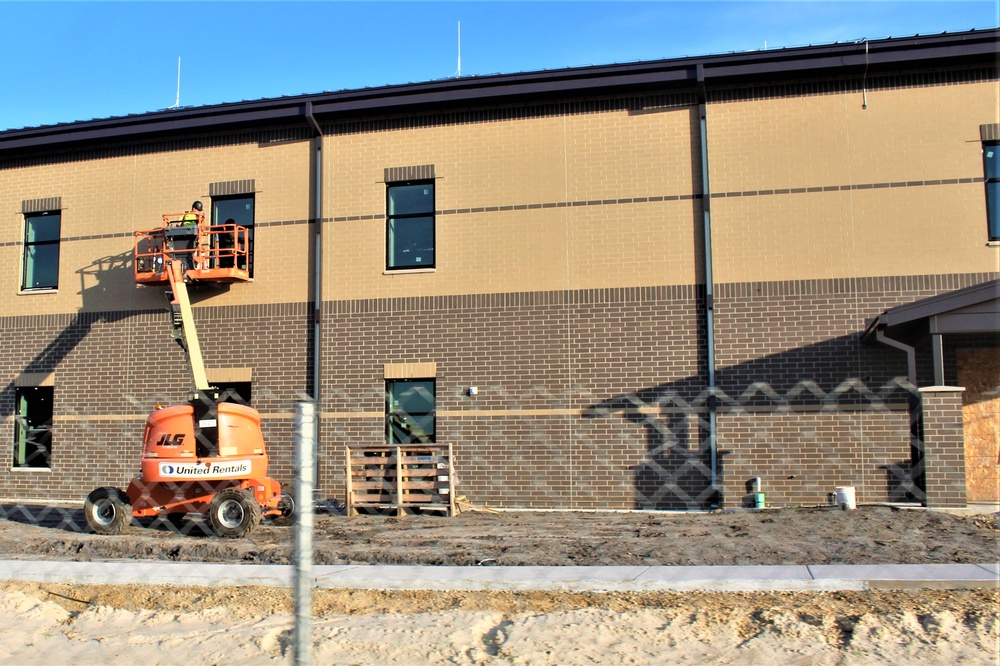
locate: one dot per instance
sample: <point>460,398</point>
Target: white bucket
<point>845,498</point>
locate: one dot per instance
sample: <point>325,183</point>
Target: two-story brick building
<point>628,286</point>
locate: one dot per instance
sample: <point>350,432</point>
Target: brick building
<point>628,286</point>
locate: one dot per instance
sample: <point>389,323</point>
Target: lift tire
<point>107,510</point>
<point>287,506</point>
<point>233,513</point>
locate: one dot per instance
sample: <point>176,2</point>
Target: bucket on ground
<point>845,498</point>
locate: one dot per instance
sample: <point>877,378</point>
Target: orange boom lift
<point>205,457</point>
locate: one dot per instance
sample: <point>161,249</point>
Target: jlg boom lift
<point>205,456</point>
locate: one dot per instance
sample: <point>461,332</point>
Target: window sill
<point>28,292</point>
<point>16,470</point>
<point>993,243</point>
<point>408,271</point>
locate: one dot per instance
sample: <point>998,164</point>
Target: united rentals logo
<point>219,470</point>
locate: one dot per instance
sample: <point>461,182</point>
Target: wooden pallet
<point>400,478</point>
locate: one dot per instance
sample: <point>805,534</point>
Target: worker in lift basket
<point>192,218</point>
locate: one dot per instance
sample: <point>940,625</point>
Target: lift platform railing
<point>214,253</point>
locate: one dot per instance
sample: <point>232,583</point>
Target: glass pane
<point>33,434</point>
<point>240,210</point>
<point>410,408</point>
<point>993,209</point>
<point>41,267</point>
<point>412,397</point>
<point>411,242</point>
<point>411,199</point>
<point>991,159</point>
<point>41,227</point>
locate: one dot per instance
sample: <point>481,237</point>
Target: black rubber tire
<point>233,513</point>
<point>107,510</point>
<point>287,506</point>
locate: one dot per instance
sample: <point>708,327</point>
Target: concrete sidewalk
<point>821,577</point>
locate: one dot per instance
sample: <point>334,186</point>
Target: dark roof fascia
<point>679,74</point>
<point>942,304</point>
<point>974,309</point>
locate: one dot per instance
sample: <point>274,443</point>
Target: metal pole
<point>305,431</point>
<point>706,205</point>
<point>317,215</point>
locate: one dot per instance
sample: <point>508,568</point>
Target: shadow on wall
<point>776,424</point>
<point>101,284</point>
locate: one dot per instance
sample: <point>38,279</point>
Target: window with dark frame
<point>40,269</point>
<point>991,167</point>
<point>410,225</point>
<point>409,411</point>
<point>33,426</point>
<point>238,209</point>
<point>239,393</point>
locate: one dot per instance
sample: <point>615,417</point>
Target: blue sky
<point>82,60</point>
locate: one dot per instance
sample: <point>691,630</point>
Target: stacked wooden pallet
<point>400,478</point>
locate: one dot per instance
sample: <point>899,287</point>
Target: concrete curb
<point>780,578</point>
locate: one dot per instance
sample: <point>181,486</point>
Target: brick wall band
<point>586,400</point>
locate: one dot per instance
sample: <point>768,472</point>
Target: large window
<point>410,225</point>
<point>41,251</point>
<point>33,426</point>
<point>237,210</point>
<point>409,411</point>
<point>991,165</point>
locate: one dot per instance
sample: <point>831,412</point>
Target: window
<point>236,392</point>
<point>409,411</point>
<point>33,426</point>
<point>41,251</point>
<point>991,165</point>
<point>410,225</point>
<point>237,210</point>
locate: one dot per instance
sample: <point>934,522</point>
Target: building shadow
<point>677,470</point>
<point>107,280</point>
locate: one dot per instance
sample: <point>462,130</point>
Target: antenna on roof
<point>178,102</point>
<point>458,72</point>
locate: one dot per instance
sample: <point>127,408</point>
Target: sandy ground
<point>56,624</point>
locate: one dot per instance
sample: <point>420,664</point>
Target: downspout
<point>316,148</point>
<point>914,404</point>
<point>911,355</point>
<point>706,206</point>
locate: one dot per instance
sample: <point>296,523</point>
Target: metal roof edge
<point>674,73</point>
<point>942,303</point>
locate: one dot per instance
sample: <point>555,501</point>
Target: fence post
<point>305,434</point>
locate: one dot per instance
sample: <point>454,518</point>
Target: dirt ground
<point>868,535</point>
<point>106,624</point>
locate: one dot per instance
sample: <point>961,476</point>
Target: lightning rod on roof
<point>458,72</point>
<point>177,103</point>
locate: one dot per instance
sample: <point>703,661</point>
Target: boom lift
<point>205,456</point>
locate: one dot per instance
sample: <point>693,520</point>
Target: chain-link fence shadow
<point>646,450</point>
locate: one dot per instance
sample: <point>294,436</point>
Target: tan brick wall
<point>549,161</point>
<point>903,222</point>
<point>119,195</point>
<point>569,181</point>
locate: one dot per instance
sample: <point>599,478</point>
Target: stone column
<point>944,446</point>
